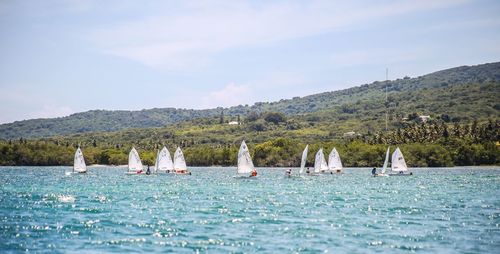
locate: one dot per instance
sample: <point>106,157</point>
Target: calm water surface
<point>435,211</point>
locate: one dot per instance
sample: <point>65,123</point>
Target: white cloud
<point>376,56</point>
<point>191,38</point>
<point>50,111</point>
<point>464,24</point>
<point>21,104</point>
<point>276,86</point>
<point>230,95</point>
<point>32,112</point>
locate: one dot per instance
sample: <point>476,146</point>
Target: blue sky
<point>62,57</point>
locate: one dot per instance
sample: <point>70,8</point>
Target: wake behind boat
<point>245,165</point>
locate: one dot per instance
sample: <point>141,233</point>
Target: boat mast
<point>386,83</point>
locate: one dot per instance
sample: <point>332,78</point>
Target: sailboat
<point>245,165</point>
<point>320,162</point>
<point>155,169</point>
<point>79,162</point>
<point>134,163</point>
<point>386,161</point>
<point>303,160</point>
<point>180,166</point>
<point>334,162</point>
<point>398,164</point>
<point>163,161</point>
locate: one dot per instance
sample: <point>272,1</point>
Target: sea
<point>437,210</point>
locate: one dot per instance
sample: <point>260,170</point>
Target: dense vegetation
<point>463,128</point>
<point>430,144</point>
<point>460,94</point>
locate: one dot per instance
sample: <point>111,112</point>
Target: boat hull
<point>398,174</point>
<point>244,177</point>
<point>313,174</point>
<point>135,173</point>
<point>333,171</point>
<point>164,171</point>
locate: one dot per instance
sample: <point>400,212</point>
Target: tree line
<point>424,145</point>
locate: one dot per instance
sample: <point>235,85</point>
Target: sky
<point>63,57</point>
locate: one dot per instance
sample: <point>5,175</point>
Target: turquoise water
<point>435,211</point>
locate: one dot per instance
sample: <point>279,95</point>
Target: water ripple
<point>435,211</point>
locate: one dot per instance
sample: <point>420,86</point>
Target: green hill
<point>459,94</point>
<point>463,129</point>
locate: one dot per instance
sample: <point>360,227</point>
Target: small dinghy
<point>398,164</point>
<point>134,163</point>
<point>303,160</point>
<point>384,168</point>
<point>163,163</point>
<point>334,162</point>
<point>245,165</point>
<point>320,165</point>
<point>180,166</point>
<point>79,165</point>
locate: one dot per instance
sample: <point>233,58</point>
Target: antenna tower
<point>386,106</point>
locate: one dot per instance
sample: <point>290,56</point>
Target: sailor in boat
<point>254,173</point>
<point>374,172</point>
<point>140,171</point>
<point>148,171</point>
<point>182,172</point>
<point>288,172</point>
<point>308,171</point>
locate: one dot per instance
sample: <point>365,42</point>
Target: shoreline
<point>265,167</point>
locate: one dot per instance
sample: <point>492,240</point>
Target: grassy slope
<point>466,102</point>
<point>434,93</point>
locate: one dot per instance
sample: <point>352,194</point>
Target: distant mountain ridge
<point>107,121</point>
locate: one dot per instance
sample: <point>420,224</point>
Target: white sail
<point>320,162</point>
<point>79,162</point>
<point>155,169</point>
<point>164,160</point>
<point>334,162</point>
<point>386,161</point>
<point>179,161</point>
<point>324,165</point>
<point>245,164</point>
<point>134,161</point>
<point>303,160</point>
<point>398,161</point>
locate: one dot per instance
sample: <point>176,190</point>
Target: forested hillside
<point>459,95</point>
<point>424,145</point>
